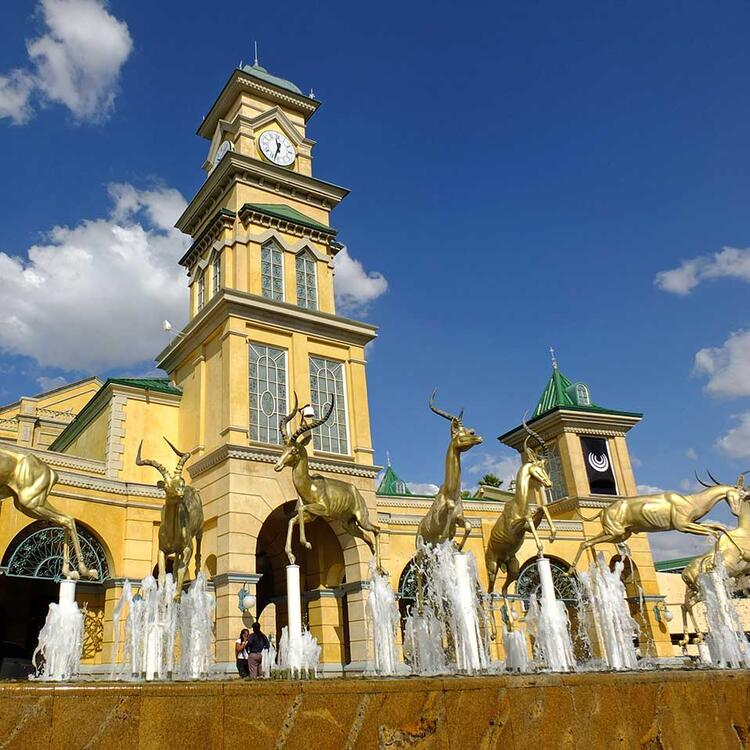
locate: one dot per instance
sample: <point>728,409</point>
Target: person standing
<point>240,648</point>
<point>255,647</point>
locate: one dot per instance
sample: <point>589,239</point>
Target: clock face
<point>277,148</point>
<point>223,148</point>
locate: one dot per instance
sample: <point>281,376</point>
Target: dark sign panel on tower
<point>598,466</point>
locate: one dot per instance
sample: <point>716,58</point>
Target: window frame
<point>344,391</point>
<point>216,279</point>
<point>275,248</point>
<point>200,290</point>
<point>306,256</point>
<point>259,409</point>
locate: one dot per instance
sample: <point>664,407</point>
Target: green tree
<point>491,480</point>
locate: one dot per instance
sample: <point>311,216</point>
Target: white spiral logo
<point>599,463</point>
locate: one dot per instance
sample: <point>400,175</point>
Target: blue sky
<point>520,174</point>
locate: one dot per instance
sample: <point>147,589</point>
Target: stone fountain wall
<point>652,711</point>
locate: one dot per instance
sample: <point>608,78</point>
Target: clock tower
<point>263,327</point>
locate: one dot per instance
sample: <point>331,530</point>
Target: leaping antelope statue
<point>663,511</point>
<point>508,533</point>
<point>181,519</point>
<point>319,496</point>
<point>447,510</point>
<point>733,547</point>
<point>28,480</point>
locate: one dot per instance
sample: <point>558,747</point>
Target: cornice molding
<point>223,219</point>
<point>59,460</point>
<point>270,456</point>
<point>568,504</point>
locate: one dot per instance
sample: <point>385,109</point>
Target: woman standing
<point>240,648</point>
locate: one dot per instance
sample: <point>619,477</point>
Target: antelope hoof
<point>698,639</point>
<point>178,597</point>
<point>308,545</point>
<point>570,571</point>
<point>92,574</point>
<point>72,575</point>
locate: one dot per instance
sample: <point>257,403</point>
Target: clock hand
<point>278,147</point>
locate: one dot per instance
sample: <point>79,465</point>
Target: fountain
<point>726,644</point>
<point>603,605</point>
<point>383,619</point>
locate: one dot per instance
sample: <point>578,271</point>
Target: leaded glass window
<point>272,272</point>
<point>267,392</point>
<point>554,467</point>
<point>200,294</point>
<point>307,295</point>
<point>326,380</point>
<point>216,274</point>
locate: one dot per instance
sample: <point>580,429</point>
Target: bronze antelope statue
<point>181,519</point>
<point>447,510</point>
<point>28,480</point>
<point>508,533</point>
<point>663,511</point>
<point>319,496</point>
<point>733,548</point>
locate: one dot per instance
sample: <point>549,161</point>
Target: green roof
<point>676,565</point>
<point>392,485</point>
<point>287,213</point>
<point>258,71</point>
<point>91,408</point>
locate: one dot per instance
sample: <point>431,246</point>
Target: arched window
<point>40,553</point>
<point>529,585</point>
<point>582,395</point>
<point>307,294</point>
<point>326,380</point>
<point>200,291</point>
<point>267,392</point>
<point>216,274</point>
<point>272,272</point>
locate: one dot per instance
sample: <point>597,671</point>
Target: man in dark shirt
<point>255,646</point>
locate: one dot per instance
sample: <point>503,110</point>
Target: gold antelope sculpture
<point>663,511</point>
<point>28,480</point>
<point>508,533</point>
<point>447,510</point>
<point>319,496</point>
<point>734,550</point>
<point>181,519</point>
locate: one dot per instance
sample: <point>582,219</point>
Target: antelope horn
<point>440,412</point>
<point>303,428</point>
<point>284,422</point>
<point>700,481</point>
<point>148,462</point>
<point>533,434</point>
<point>183,458</point>
<point>713,478</point>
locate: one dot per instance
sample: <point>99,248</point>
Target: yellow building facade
<point>263,327</point>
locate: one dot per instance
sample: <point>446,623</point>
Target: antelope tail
<point>587,518</point>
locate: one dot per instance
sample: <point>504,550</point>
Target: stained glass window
<point>216,274</point>
<point>327,379</point>
<point>307,295</point>
<point>272,272</point>
<point>267,392</point>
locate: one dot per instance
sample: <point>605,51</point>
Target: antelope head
<point>462,438</point>
<point>735,494</point>
<point>295,442</point>
<point>172,483</point>
<point>537,463</point>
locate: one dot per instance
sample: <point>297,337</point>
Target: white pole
<point>294,614</point>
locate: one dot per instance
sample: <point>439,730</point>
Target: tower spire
<point>255,48</point>
<point>554,357</point>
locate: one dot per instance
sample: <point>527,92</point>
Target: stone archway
<point>322,574</point>
<point>32,569</point>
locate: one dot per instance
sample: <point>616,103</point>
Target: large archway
<point>32,570</point>
<point>322,579</point>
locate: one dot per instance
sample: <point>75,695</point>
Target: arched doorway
<point>322,575</point>
<point>32,570</point>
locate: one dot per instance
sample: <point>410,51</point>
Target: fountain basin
<point>680,708</point>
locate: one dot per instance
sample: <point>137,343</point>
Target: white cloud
<point>49,384</point>
<point>635,461</point>
<point>93,296</point>
<point>648,489</point>
<point>504,466</point>
<point>423,488</point>
<point>76,63</point>
<point>667,545</point>
<point>726,366</point>
<point>736,442</point>
<point>691,454</point>
<point>729,262</point>
<point>354,287</point>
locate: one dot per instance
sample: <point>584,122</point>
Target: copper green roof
<point>675,565</point>
<point>93,406</point>
<point>392,485</point>
<point>286,213</point>
<point>258,71</point>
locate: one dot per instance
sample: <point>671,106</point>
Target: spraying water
<point>602,603</point>
<point>383,616</point>
<point>61,637</point>
<point>300,655</point>
<point>423,643</point>
<point>268,658</point>
<point>728,646</point>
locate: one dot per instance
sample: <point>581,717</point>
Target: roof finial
<point>255,46</point>
<point>554,358</point>
<point>388,458</point>
<point>311,95</point>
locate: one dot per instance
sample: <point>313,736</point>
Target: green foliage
<point>491,480</point>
